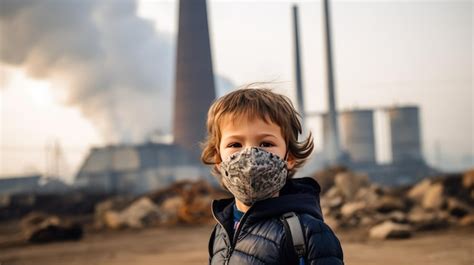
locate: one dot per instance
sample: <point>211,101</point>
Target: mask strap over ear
<point>286,155</point>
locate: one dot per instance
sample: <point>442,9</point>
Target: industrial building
<point>136,169</point>
<point>19,184</point>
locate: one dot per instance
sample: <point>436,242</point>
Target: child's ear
<point>291,161</point>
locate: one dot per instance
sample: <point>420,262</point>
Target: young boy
<point>253,146</point>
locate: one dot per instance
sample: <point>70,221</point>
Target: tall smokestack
<point>298,74</point>
<point>194,76</point>
<point>334,148</point>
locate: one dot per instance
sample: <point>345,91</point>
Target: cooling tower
<point>405,133</point>
<point>358,136</point>
<point>194,76</point>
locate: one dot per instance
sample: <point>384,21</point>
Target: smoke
<point>108,62</point>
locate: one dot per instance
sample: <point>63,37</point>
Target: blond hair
<point>251,102</point>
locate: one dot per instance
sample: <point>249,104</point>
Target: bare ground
<point>188,245</point>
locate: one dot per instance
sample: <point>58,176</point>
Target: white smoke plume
<point>109,63</point>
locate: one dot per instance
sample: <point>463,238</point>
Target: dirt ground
<point>188,245</point>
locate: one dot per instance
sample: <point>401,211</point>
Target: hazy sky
<point>386,53</point>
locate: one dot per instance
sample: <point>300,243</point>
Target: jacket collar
<point>298,195</point>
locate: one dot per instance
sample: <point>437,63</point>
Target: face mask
<point>253,174</point>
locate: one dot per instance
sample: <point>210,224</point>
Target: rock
<point>433,199</point>
<point>140,213</point>
<point>458,208</point>
<point>197,211</point>
<point>352,221</point>
<point>335,202</point>
<point>468,183</point>
<point>332,193</point>
<point>52,233</point>
<point>325,178</point>
<point>418,191</point>
<point>418,215</point>
<point>106,212</point>
<point>170,210</point>
<point>397,217</point>
<point>351,208</point>
<point>389,203</point>
<point>367,221</point>
<point>468,179</point>
<point>332,199</point>
<point>370,195</point>
<point>111,219</point>
<point>182,202</point>
<point>332,203</point>
<point>34,220</point>
<point>467,220</point>
<point>389,230</point>
<point>349,183</point>
<point>39,227</point>
<point>424,220</point>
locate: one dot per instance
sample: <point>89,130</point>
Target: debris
<point>141,213</point>
<point>458,208</point>
<point>389,230</point>
<point>185,202</point>
<point>418,191</point>
<point>349,184</point>
<point>467,220</point>
<point>325,178</point>
<point>39,227</point>
<point>352,208</point>
<point>433,198</point>
<point>433,203</point>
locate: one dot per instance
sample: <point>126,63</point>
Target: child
<point>253,146</point>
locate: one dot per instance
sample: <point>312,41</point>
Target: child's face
<point>239,134</point>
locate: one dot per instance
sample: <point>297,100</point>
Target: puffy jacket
<point>260,237</point>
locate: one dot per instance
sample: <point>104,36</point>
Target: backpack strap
<point>293,228</point>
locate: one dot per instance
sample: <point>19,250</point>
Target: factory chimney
<point>298,74</point>
<point>194,90</point>
<point>332,142</point>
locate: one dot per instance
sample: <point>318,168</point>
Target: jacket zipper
<point>230,249</point>
<point>234,239</point>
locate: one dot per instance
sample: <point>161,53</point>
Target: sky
<point>386,53</point>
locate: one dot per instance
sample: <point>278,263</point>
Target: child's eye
<point>266,144</point>
<point>234,145</point>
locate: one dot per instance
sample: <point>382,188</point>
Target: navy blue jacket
<point>261,238</point>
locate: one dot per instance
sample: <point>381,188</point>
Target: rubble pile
<point>185,202</point>
<point>38,227</point>
<point>350,200</point>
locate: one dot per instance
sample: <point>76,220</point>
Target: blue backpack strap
<point>293,228</point>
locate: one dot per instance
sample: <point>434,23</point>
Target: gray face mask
<point>253,174</point>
